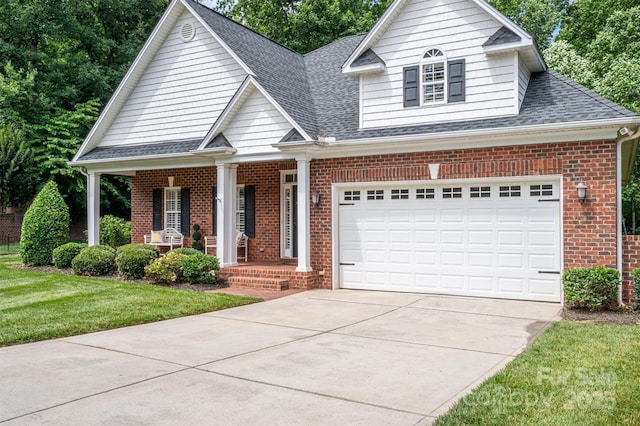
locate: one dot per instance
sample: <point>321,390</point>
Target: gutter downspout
<point>619,261</point>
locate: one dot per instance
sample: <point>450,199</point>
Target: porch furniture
<point>241,239</point>
<point>168,237</point>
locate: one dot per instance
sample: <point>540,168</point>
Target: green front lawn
<point>11,248</point>
<point>573,374</point>
<point>38,306</point>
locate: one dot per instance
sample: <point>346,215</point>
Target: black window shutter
<point>250,211</point>
<point>214,212</point>
<point>157,209</point>
<point>411,86</point>
<point>185,211</point>
<point>456,80</point>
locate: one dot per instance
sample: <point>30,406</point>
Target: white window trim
<point>177,190</point>
<point>429,61</point>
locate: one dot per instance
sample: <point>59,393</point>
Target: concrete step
<point>276,284</point>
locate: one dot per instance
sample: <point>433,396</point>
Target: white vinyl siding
<point>256,126</point>
<point>457,27</point>
<point>523,80</point>
<point>181,93</point>
<point>172,208</point>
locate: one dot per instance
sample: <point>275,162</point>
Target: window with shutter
<point>435,80</point>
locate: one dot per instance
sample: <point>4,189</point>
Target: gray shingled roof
<point>219,141</point>
<point>142,150</point>
<point>502,36</point>
<point>323,100</point>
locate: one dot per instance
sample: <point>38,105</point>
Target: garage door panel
<point>490,246</point>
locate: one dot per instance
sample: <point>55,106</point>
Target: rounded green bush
<point>45,226</point>
<point>166,269</point>
<point>114,231</point>
<point>187,251</point>
<point>198,268</point>
<point>139,246</point>
<point>132,261</point>
<point>95,260</point>
<point>63,255</point>
<point>591,288</point>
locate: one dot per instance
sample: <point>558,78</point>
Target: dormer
<point>429,61</point>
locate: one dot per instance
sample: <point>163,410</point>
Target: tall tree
<point>305,25</point>
<point>540,18</point>
<point>17,177</point>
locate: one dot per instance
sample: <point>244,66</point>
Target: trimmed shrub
<point>95,260</point>
<point>114,231</point>
<point>187,251</point>
<point>132,261</point>
<point>167,269</point>
<point>63,255</point>
<point>139,246</point>
<point>197,268</point>
<point>636,284</point>
<point>591,288</point>
<point>45,226</point>
<point>196,236</point>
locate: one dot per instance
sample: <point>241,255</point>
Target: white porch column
<point>226,245</point>
<point>93,208</point>
<point>304,223</point>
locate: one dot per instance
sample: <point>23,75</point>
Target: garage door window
<point>541,190</point>
<point>425,194</point>
<point>510,191</point>
<point>451,193</point>
<point>480,192</point>
<point>376,194</point>
<point>399,194</point>
<point>351,195</point>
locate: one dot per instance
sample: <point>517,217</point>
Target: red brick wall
<point>589,228</point>
<point>631,261</point>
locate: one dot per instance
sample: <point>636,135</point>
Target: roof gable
<point>532,55</point>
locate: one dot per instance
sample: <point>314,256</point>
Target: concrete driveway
<point>318,357</point>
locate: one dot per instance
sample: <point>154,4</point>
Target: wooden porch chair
<point>241,239</point>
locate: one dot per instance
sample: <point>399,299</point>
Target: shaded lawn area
<point>38,306</point>
<point>11,248</point>
<point>573,374</point>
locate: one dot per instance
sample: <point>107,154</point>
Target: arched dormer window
<point>433,76</point>
<point>434,80</point>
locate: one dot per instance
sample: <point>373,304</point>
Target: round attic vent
<point>188,32</point>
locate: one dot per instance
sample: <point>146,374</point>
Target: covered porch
<point>270,201</point>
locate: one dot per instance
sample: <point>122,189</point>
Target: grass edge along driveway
<point>573,374</point>
<point>38,306</point>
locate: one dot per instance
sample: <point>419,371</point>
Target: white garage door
<point>480,239</point>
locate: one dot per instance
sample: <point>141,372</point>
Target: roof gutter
<point>627,136</point>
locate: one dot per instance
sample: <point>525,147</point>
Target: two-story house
<point>435,154</point>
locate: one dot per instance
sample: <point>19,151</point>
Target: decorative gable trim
<point>248,86</point>
<point>396,7</point>
<point>136,70</point>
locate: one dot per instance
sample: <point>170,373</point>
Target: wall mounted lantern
<point>315,197</point>
<point>582,191</point>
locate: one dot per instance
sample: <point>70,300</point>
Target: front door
<point>289,231</point>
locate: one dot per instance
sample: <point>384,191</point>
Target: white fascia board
<point>223,150</point>
<point>382,23</point>
<point>468,139</point>
<point>365,69</point>
<point>109,111</point>
<point>218,39</point>
<point>236,103</point>
<point>504,48</point>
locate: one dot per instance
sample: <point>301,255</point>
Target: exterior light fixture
<point>582,192</point>
<point>315,197</point>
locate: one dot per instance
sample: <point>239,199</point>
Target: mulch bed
<point>117,277</point>
<point>625,317</point>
